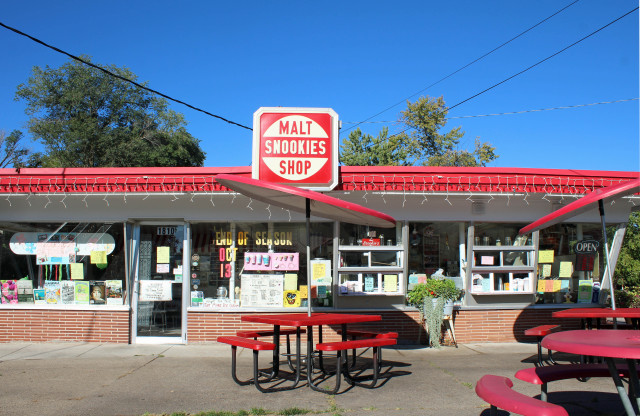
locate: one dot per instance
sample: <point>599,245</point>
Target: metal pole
<point>606,256</point>
<point>309,282</point>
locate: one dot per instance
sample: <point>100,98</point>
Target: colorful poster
<point>584,291</point>
<point>82,293</point>
<point>321,272</point>
<point>291,298</point>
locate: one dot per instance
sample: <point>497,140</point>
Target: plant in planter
<point>430,297</point>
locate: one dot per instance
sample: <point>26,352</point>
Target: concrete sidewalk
<point>115,379</point>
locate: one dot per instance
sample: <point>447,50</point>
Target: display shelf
<point>371,270</point>
<point>504,270</point>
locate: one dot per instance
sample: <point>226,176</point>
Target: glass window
<point>63,263</point>
<point>434,246</point>
<point>570,264</point>
<point>260,264</point>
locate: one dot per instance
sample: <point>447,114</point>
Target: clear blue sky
<point>359,58</point>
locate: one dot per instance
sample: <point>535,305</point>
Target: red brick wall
<point>470,325</point>
<point>40,325</point>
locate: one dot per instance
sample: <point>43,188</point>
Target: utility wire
<point>539,62</point>
<point>532,66</point>
<point>463,67</point>
<point>106,71</point>
<point>508,113</point>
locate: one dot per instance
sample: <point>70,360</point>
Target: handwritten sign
<point>566,269</point>
<point>77,271</point>
<point>390,282</point>
<point>155,290</point>
<point>262,290</point>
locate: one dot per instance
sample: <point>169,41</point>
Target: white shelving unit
<point>504,270</point>
<point>371,270</point>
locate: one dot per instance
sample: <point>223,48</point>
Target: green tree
<point>366,150</point>
<point>87,118</point>
<point>13,153</point>
<point>421,143</point>
<point>627,272</point>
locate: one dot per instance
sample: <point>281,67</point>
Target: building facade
<point>135,255</point>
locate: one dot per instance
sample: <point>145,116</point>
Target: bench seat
<point>267,333</point>
<point>354,344</point>
<point>369,334</point>
<point>540,332</point>
<point>341,367</point>
<point>544,375</point>
<point>498,392</point>
<point>256,346</point>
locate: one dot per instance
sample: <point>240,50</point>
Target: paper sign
<point>98,257</point>
<point>556,285</point>
<point>322,292</point>
<point>541,285</point>
<point>548,285</point>
<point>390,283</point>
<point>566,269</point>
<point>486,260</point>
<point>413,279</point>
<point>584,291</point>
<point>77,271</point>
<point>155,290</point>
<point>162,255</point>
<point>545,256</point>
<point>546,270</point>
<point>290,281</point>
<point>162,268</point>
<point>319,271</point>
<point>304,292</point>
<point>564,285</point>
<point>422,278</point>
<point>368,283</point>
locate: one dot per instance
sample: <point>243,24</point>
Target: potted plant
<point>430,297</point>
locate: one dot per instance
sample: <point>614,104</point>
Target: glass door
<point>158,301</point>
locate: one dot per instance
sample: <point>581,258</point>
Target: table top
<point>615,343</point>
<point>597,313</point>
<point>302,319</point>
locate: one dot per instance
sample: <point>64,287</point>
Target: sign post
<point>296,146</point>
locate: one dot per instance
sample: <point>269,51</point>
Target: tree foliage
<point>366,150</point>
<point>13,153</point>
<point>87,118</point>
<point>421,143</point>
<point>627,272</point>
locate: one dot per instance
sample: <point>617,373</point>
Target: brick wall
<point>470,325</point>
<point>40,325</point>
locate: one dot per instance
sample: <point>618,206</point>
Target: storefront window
<point>259,264</point>
<point>570,264</point>
<point>62,263</point>
<point>434,246</point>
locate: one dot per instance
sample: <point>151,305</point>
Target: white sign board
<point>262,290</point>
<point>155,290</point>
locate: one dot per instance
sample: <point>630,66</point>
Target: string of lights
<point>106,71</point>
<point>508,113</point>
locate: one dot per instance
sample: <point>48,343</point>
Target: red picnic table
<point>608,343</point>
<point>588,314</point>
<point>299,320</point>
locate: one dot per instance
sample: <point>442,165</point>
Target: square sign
<point>296,146</point>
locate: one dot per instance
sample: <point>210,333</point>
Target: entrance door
<point>159,302</point>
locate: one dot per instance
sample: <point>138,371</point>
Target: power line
<point>463,67</point>
<point>545,59</point>
<point>532,66</point>
<point>106,71</point>
<point>508,113</point>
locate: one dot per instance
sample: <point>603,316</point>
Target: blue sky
<point>360,58</point>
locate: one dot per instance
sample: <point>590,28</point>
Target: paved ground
<point>109,379</point>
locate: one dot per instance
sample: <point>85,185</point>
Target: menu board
<point>262,290</point>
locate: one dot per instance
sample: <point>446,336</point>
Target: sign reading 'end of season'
<point>296,146</point>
